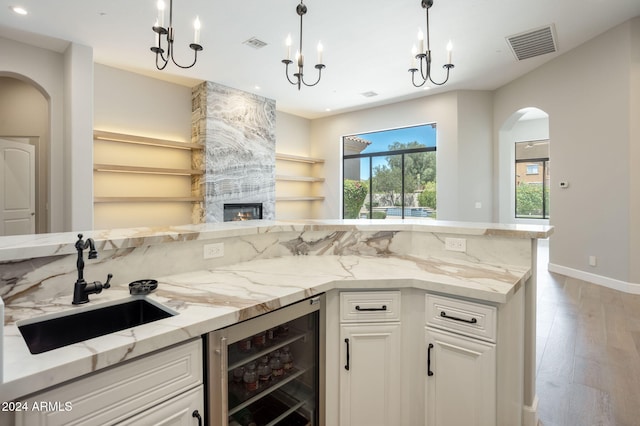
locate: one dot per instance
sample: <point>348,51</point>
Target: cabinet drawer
<point>369,306</point>
<point>461,316</point>
<point>115,394</point>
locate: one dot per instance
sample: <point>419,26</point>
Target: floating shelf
<point>145,170</point>
<point>299,178</point>
<point>147,199</point>
<point>309,198</point>
<point>142,140</point>
<point>298,158</point>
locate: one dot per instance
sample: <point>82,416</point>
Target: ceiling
<point>367,43</point>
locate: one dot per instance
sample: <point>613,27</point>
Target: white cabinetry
<point>460,383</point>
<point>462,387</point>
<point>161,388</point>
<point>370,364</point>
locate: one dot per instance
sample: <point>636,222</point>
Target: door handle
<point>346,367</point>
<point>429,372</point>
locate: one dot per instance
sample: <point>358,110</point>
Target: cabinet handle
<point>383,308</point>
<point>443,314</point>
<point>346,367</point>
<point>197,416</point>
<point>429,372</point>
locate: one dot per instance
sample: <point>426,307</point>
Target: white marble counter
<point>266,265</point>
<point>210,299</point>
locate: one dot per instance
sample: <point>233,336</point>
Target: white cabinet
<point>370,376</point>
<point>370,359</point>
<point>460,387</point>
<point>186,409</point>
<point>169,380</point>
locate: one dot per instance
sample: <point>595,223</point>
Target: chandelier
<point>298,77</point>
<point>161,59</point>
<point>424,56</point>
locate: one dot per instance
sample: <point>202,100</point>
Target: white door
<point>17,188</point>
<point>370,375</point>
<point>460,381</point>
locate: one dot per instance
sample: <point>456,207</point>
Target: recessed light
<point>18,10</point>
<point>328,109</point>
<point>256,87</point>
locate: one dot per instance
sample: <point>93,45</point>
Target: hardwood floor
<point>588,352</point>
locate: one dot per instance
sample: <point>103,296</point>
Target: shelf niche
<point>130,169</point>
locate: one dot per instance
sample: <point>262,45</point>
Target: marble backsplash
<point>23,281</point>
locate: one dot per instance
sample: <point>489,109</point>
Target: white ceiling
<point>367,43</point>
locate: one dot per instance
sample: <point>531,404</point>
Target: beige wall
<point>589,105</point>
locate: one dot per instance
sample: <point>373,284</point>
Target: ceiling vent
<point>533,43</point>
<point>255,43</point>
<point>369,94</point>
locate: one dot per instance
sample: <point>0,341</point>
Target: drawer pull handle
<point>429,372</point>
<point>383,308</point>
<point>346,367</point>
<point>443,314</point>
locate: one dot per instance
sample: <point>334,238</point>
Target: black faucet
<point>83,289</point>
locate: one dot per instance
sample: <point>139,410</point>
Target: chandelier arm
<point>413,79</point>
<point>445,80</point>
<point>195,58</point>
<point>286,71</point>
<point>319,67</point>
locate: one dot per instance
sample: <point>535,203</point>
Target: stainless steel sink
<point>57,330</point>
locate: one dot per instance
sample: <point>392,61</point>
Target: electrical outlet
<point>455,244</point>
<point>593,261</point>
<point>213,250</point>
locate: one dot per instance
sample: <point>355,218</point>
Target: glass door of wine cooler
<point>265,371</point>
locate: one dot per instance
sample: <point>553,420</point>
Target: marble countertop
<point>206,300</point>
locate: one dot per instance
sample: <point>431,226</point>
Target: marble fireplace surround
<point>237,130</point>
<point>266,264</point>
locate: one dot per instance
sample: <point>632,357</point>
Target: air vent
<point>533,43</point>
<point>369,94</point>
<point>255,43</point>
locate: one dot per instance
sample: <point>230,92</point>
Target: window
<point>532,169</point>
<point>532,180</point>
<point>390,174</point>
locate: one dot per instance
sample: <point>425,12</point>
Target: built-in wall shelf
<point>147,170</point>
<point>298,181</point>
<point>147,199</point>
<point>298,158</point>
<point>299,178</point>
<point>309,198</point>
<point>140,180</point>
<point>143,140</point>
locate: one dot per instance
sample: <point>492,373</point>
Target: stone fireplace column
<point>238,131</point>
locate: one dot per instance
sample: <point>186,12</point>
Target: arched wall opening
<point>526,124</point>
<point>26,118</point>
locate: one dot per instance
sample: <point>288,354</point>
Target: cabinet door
<point>370,375</point>
<point>178,411</point>
<point>462,387</point>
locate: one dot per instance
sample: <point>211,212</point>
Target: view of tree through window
<point>390,174</point>
<point>532,179</point>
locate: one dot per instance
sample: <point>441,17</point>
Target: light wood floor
<point>588,352</point>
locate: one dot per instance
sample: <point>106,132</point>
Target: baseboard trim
<point>632,288</point>
<point>530,413</point>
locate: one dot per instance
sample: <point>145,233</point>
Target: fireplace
<point>243,211</point>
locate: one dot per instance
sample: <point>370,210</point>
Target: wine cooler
<point>267,370</point>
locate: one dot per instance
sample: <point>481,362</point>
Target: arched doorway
<point>24,108</point>
<point>524,163</point>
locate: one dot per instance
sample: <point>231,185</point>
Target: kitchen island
<point>266,265</point>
